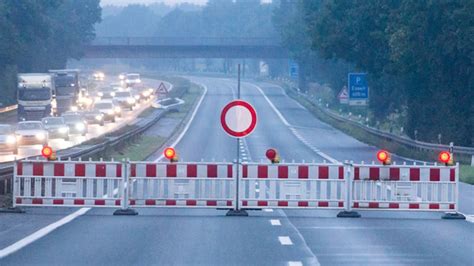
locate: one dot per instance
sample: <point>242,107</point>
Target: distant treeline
<point>419,55</point>
<point>37,35</point>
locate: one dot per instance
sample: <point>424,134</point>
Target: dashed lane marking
<point>275,222</point>
<point>285,240</point>
<point>295,263</point>
<point>268,210</point>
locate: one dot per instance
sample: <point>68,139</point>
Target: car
<point>117,108</point>
<point>107,108</point>
<point>76,122</point>
<point>99,76</point>
<point>125,99</point>
<point>56,127</point>
<point>94,116</point>
<point>106,93</point>
<point>122,76</point>
<point>31,133</point>
<point>137,95</point>
<point>132,79</point>
<point>8,139</point>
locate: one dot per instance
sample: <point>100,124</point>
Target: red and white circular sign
<point>238,118</point>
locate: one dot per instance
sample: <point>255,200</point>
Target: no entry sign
<point>238,118</point>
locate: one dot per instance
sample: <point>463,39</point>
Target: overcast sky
<point>169,2</point>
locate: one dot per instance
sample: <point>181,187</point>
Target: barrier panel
<point>292,186</point>
<point>67,183</point>
<point>201,185</point>
<point>405,187</point>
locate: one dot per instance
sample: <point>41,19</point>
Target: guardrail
<point>188,41</point>
<point>415,144</point>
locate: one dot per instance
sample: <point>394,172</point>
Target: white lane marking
<point>41,233</point>
<point>268,210</point>
<point>275,222</point>
<point>189,122</point>
<point>470,218</point>
<point>293,130</point>
<point>295,263</point>
<point>285,240</point>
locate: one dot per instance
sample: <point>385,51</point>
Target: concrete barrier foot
<point>237,213</point>
<point>453,216</point>
<point>348,214</point>
<point>125,212</point>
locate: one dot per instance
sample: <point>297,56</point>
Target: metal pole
<point>238,147</point>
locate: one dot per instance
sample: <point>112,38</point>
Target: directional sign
<point>343,96</point>
<point>238,118</point>
<point>162,89</point>
<point>358,88</point>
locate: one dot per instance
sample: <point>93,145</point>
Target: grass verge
<point>466,174</point>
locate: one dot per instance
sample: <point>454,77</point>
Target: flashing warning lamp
<point>272,155</point>
<point>384,157</point>
<point>445,157</point>
<point>48,153</point>
<point>171,155</point>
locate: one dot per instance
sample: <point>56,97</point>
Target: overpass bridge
<point>202,47</point>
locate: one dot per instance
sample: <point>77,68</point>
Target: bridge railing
<point>184,41</point>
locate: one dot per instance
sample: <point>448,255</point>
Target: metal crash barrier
<point>346,187</point>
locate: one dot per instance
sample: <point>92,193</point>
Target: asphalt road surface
<point>267,237</point>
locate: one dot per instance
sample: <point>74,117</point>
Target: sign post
<point>358,88</point>
<point>238,119</point>
<point>294,69</point>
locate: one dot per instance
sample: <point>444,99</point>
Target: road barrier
<point>346,187</point>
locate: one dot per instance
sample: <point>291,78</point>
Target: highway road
<point>267,237</point>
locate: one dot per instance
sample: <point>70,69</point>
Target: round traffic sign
<point>238,118</point>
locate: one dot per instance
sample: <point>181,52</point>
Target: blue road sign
<point>358,89</point>
<point>294,69</point>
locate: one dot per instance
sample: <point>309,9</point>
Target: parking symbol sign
<point>358,88</point>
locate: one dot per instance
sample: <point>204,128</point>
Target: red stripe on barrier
<point>323,204</point>
<point>282,171</point>
<point>100,170</point>
<point>229,171</point>
<point>414,174</point>
<point>191,170</point>
<point>78,202</point>
<point>413,206</point>
<point>132,202</point>
<point>303,204</point>
<point>393,205</point>
<point>170,202</point>
<point>356,173</point>
<point>118,170</point>
<point>341,172</point>
<point>58,201</point>
<point>99,202</point>
<point>451,206</point>
<point>244,203</point>
<point>80,169</point>
<point>434,206</point>
<point>452,175</point>
<point>211,203</point>
<point>150,202</point>
<point>303,172</point>
<point>117,202</point>
<point>133,170</point>
<point>373,205</point>
<point>58,169</point>
<point>212,171</point>
<point>19,168</point>
<point>341,204</point>
<point>323,172</point>
<point>38,169</point>
<point>171,170</point>
<point>262,203</point>
<point>37,201</point>
<point>262,171</point>
<point>245,170</point>
<point>434,174</point>
<point>394,174</point>
<point>18,200</point>
<point>282,203</point>
<point>191,202</point>
<point>374,173</point>
<point>356,205</point>
<point>150,170</point>
<point>229,203</point>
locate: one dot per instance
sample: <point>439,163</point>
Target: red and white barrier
<point>67,183</point>
<point>182,185</point>
<point>292,186</point>
<point>405,187</point>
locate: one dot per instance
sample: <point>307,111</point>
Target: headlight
<point>98,117</point>
<point>127,80</point>
<point>121,76</point>
<point>11,139</point>
<point>117,109</point>
<point>74,108</point>
<point>63,130</point>
<point>80,126</point>
<point>100,94</point>
<point>130,100</point>
<point>40,136</point>
<point>139,80</point>
<point>110,112</point>
<point>112,94</point>
<point>137,97</point>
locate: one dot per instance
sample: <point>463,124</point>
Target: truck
<point>34,96</point>
<point>66,89</point>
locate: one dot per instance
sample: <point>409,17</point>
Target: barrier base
<point>348,214</point>
<point>12,210</point>
<point>236,213</point>
<point>453,216</point>
<point>125,212</point>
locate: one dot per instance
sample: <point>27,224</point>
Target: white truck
<point>34,95</point>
